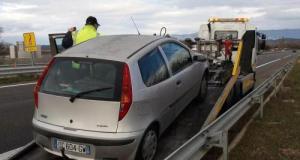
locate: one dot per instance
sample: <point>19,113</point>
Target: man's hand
<point>72,29</point>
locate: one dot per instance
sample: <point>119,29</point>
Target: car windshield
<point>70,76</point>
<point>224,34</point>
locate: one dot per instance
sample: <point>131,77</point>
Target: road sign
<point>29,42</point>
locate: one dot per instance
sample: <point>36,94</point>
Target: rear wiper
<point>72,99</point>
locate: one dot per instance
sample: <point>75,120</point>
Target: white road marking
<point>268,63</point>
<point>273,61</point>
<point>286,56</point>
<point>17,85</point>
<point>9,154</point>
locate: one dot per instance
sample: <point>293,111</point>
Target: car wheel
<point>203,90</point>
<point>148,146</point>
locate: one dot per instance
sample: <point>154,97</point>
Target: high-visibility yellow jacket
<point>86,33</point>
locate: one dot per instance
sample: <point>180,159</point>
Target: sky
<point>179,16</point>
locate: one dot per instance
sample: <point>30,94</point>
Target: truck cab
<point>213,34</point>
<point>210,42</point>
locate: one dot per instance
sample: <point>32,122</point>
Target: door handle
<point>178,82</point>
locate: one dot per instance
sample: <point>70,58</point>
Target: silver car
<point>113,96</point>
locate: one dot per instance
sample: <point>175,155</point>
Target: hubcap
<point>149,145</point>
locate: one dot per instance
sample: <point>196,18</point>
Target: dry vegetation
<point>277,135</point>
<point>283,43</point>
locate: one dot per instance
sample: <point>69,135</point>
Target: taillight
<point>126,96</point>
<point>39,83</point>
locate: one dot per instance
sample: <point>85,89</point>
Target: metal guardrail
<point>21,65</point>
<point>4,72</point>
<point>216,133</point>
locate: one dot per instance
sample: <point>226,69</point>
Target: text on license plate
<point>72,147</point>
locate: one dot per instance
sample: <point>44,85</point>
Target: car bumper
<point>110,146</point>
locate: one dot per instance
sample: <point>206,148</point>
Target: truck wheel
<point>148,146</point>
<point>203,90</point>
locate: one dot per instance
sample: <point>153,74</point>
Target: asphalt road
<point>16,110</point>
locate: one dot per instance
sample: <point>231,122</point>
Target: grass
<point>17,79</point>
<point>277,135</point>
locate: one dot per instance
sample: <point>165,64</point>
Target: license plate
<point>71,147</point>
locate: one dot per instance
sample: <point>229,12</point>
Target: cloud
<point>179,16</point>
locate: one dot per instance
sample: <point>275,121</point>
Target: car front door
<point>159,91</point>
<point>181,66</point>
<point>55,41</point>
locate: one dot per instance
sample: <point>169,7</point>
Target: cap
<point>92,21</point>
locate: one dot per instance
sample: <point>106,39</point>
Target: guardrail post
<point>220,139</point>
<point>275,87</point>
<point>224,142</point>
<point>261,107</point>
<point>32,58</point>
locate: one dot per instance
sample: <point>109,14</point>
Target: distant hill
<point>282,33</point>
<point>271,34</point>
<point>184,36</point>
<point>45,47</point>
<point>284,43</point>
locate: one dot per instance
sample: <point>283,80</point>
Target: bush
<point>4,49</point>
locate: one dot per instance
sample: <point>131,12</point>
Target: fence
<point>4,72</point>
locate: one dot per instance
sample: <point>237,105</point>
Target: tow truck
<point>238,75</point>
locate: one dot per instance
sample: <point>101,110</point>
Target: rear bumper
<point>104,145</point>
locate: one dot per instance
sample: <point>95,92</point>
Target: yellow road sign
<point>29,42</point>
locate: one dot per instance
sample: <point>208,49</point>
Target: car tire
<point>148,146</point>
<point>203,90</point>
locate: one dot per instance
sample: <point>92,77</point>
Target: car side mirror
<point>199,58</point>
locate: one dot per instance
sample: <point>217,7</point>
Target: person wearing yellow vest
<point>89,31</point>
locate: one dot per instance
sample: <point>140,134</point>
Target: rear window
<point>69,76</point>
<point>224,34</point>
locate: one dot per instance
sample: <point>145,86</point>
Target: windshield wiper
<point>72,99</point>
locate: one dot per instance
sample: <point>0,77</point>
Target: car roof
<point>113,47</point>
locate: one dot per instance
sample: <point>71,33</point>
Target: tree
<point>1,31</point>
<point>4,48</point>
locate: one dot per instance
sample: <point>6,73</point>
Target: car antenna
<point>137,29</point>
